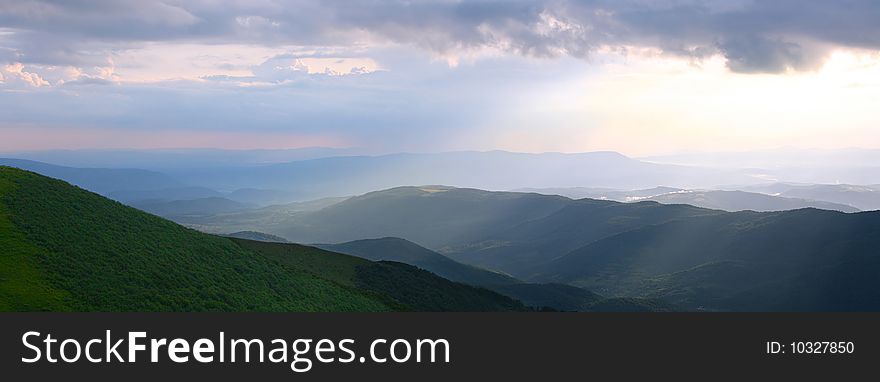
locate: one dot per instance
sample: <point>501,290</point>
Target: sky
<point>634,76</point>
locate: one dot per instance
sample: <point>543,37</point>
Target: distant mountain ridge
<point>99,180</point>
<point>727,200</point>
<point>866,198</point>
<point>164,159</point>
<point>269,183</point>
<point>494,170</point>
<point>257,236</point>
<point>733,201</point>
<point>191,207</point>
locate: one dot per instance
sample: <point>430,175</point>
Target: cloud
<point>755,36</point>
<point>411,103</point>
<point>15,75</point>
<point>758,54</point>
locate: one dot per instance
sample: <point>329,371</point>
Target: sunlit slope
<point>539,296</point>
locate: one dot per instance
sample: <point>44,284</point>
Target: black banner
<point>527,346</point>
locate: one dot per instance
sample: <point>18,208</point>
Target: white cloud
<point>16,75</point>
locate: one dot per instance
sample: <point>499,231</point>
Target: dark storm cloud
<point>755,36</point>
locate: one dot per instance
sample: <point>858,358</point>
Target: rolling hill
<point>602,193</point>
<point>519,249</point>
<point>734,201</point>
<point>164,194</point>
<point>257,236</point>
<point>65,248</point>
<point>509,232</point>
<point>433,216</point>
<point>866,198</point>
<point>689,257</point>
<point>809,259</point>
<point>400,250</point>
<point>191,207</point>
<point>253,196</point>
<point>727,200</point>
<point>536,295</point>
<point>398,285</point>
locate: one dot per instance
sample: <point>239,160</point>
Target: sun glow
<point>659,104</point>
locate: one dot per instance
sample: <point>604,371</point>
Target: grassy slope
<point>68,249</point>
<point>407,252</point>
<point>398,284</point>
<point>22,283</point>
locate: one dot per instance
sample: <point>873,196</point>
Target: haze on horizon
<point>532,76</point>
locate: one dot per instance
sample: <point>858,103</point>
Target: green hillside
<point>400,284</point>
<point>64,248</point>
<point>407,252</point>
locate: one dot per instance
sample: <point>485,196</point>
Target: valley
<point>758,246</point>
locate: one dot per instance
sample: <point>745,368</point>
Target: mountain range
<point>65,248</point>
<point>98,180</point>
<point>536,295</point>
<point>793,260</point>
<point>866,198</point>
<point>264,179</point>
<point>731,201</point>
<point>754,246</point>
<point>689,257</point>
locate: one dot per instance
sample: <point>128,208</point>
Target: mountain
<point>194,207</point>
<point>731,201</point>
<point>506,231</point>
<point>399,285</point>
<point>407,252</point>
<point>684,256</point>
<point>69,249</point>
<point>745,201</point>
<point>779,158</point>
<point>815,166</point>
<point>278,177</point>
<point>169,159</point>
<point>493,170</point>
<point>866,198</point>
<point>99,180</point>
<point>433,216</point>
<point>809,259</point>
<point>257,236</point>
<point>165,194</point>
<point>273,219</point>
<point>603,193</point>
<point>554,296</point>
<point>519,248</point>
<point>265,197</point>
<point>252,196</point>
